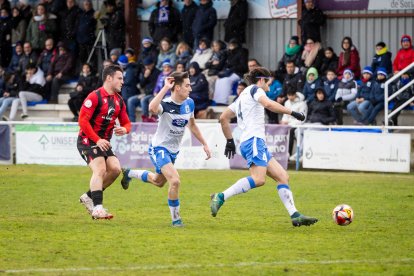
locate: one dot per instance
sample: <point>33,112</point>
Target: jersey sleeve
<point>161,108</point>
<point>232,107</point>
<point>260,92</point>
<point>86,113</point>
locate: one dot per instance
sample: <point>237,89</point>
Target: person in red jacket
<point>349,59</point>
<point>405,55</point>
<point>97,124</point>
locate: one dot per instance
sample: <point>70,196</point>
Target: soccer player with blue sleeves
<point>175,113</point>
<point>249,109</point>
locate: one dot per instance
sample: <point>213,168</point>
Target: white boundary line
<point>193,266</point>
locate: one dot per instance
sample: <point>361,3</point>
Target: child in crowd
<point>329,62</point>
<point>203,53</point>
<point>402,97</point>
<point>347,90</point>
<point>199,93</point>
<point>330,85</point>
<point>361,107</point>
<point>377,95</point>
<point>312,82</point>
<point>215,64</point>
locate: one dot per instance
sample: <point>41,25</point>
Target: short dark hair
<point>256,74</point>
<point>380,44</point>
<point>110,71</point>
<point>179,78</point>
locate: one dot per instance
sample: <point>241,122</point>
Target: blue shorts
<point>160,156</point>
<point>255,151</point>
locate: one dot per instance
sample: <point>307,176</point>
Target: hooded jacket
<point>321,111</point>
<point>297,105</point>
<point>310,88</point>
<point>404,56</point>
<point>199,86</point>
<point>205,21</point>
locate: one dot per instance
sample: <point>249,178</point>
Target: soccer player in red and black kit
<point>97,123</point>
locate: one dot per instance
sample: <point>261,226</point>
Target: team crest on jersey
<point>179,122</point>
<point>187,109</point>
<point>111,112</point>
<point>88,103</point>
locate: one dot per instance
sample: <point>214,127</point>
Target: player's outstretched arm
<point>154,105</point>
<point>278,108</point>
<point>197,133</point>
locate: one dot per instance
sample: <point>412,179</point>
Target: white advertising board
<point>381,152</point>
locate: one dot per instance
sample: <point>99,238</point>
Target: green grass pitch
<point>44,230</point>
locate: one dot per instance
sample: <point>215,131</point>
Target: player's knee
<point>259,181</point>
<point>100,172</point>
<point>115,171</point>
<point>175,183</point>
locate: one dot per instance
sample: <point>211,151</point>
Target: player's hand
<point>169,82</point>
<point>119,131</point>
<point>207,151</point>
<point>298,115</point>
<point>230,149</point>
<point>103,144</point>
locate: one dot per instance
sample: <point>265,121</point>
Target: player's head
<point>261,77</point>
<point>182,87</point>
<point>113,79</point>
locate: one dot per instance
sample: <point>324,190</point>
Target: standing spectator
<point>167,51</point>
<point>405,56</point>
<point>29,56</point>
<point>85,34</point>
<point>203,53</point>
<point>330,85</point>
<point>129,88</point>
<point>215,64</point>
<point>204,22</point>
<point>293,52</point>
<point>199,92</point>
<point>187,17</point>
<point>15,60</point>
<point>47,55</point>
<point>235,24</point>
<point>312,55</point>
<point>329,61</point>
<point>41,27</point>
<point>377,95</point>
<point>5,37</point>
<point>60,71</point>
<point>347,90</point>
<point>114,22</point>
<point>19,26</point>
<point>293,78</point>
<point>52,6</point>
<point>312,83</point>
<point>311,22</point>
<point>382,58</point>
<point>349,59</point>
<point>148,50</point>
<point>183,53</point>
<point>26,9</point>
<point>164,21</point>
<point>402,97</point>
<point>361,107</point>
<point>68,25</point>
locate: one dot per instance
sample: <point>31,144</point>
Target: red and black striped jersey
<point>98,114</point>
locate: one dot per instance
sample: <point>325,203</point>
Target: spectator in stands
<point>85,33</point>
<point>164,21</point>
<point>180,66</point>
<point>29,56</point>
<point>47,55</point>
<point>41,27</point>
<point>349,59</point>
<point>5,38</point>
<point>361,107</point>
<point>204,21</point>
<point>252,63</point>
<point>330,85</point>
<point>15,60</point>
<point>69,18</point>
<point>52,6</point>
<point>235,24</point>
<point>402,97</point>
<point>129,88</point>
<point>187,17</point>
<point>114,55</point>
<point>293,79</point>
<point>293,52</point>
<point>215,64</point>
<point>87,83</point>
<point>183,53</point>
<point>275,90</point>
<point>114,25</point>
<point>147,81</point>
<point>167,51</point>
<point>32,89</point>
<point>311,21</point>
<point>405,56</point>
<point>382,58</point>
<point>199,92</point>
<point>9,92</point>
<point>312,83</point>
<point>19,26</point>
<point>130,54</point>
<point>377,95</point>
<point>106,63</point>
<point>148,49</point>
<point>5,4</point>
<point>347,90</point>
<point>234,69</point>
<point>26,9</point>
<point>60,71</point>
<point>166,71</point>
<point>312,55</point>
<point>203,53</point>
<point>329,61</point>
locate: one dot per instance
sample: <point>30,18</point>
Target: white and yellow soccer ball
<point>343,214</point>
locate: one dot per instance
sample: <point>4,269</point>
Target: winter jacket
<point>25,60</point>
<point>62,64</point>
<point>205,21</point>
<point>296,58</point>
<point>347,90</point>
<point>148,83</point>
<point>201,57</point>
<point>329,64</point>
<point>115,29</point>
<point>188,14</point>
<point>377,92</point>
<point>86,27</point>
<point>330,89</point>
<point>321,111</point>
<point>40,30</point>
<point>129,88</point>
<point>311,23</point>
<point>235,24</point>
<point>68,21</point>
<point>14,63</point>
<point>46,58</point>
<point>364,90</point>
<point>384,61</point>
<point>89,83</point>
<point>170,28</point>
<point>147,52</point>
<point>310,87</point>
<point>297,105</point>
<point>199,86</point>
<point>354,64</point>
<point>404,56</point>
<point>184,58</point>
<point>237,60</point>
<point>406,94</point>
<point>294,81</point>
<point>219,56</point>
<point>170,54</point>
<point>18,33</point>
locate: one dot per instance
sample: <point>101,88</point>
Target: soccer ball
<point>343,214</point>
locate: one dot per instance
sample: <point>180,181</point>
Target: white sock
<point>286,196</point>
<point>174,205</point>
<point>140,174</point>
<point>241,186</point>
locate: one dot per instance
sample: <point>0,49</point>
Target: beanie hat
<point>367,69</point>
<point>166,62</point>
<point>123,61</point>
<point>115,52</point>
<point>147,39</point>
<point>148,60</point>
<point>382,71</point>
<point>349,71</point>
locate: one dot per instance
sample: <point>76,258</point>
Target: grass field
<point>44,230</point>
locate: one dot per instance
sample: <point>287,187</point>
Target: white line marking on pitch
<point>192,266</point>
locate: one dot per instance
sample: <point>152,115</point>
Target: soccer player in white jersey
<point>175,113</point>
<point>249,109</point>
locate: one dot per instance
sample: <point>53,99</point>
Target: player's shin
<point>174,205</point>
<point>286,196</point>
<point>241,186</point>
<point>140,174</point>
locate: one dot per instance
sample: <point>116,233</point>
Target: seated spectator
<point>312,56</point>
<point>349,59</point>
<point>252,63</point>
<point>60,71</point>
<point>330,85</point>
<point>402,97</point>
<point>15,60</point>
<point>115,54</point>
<point>32,89</point>
<point>29,56</point>
<point>293,79</point>
<point>148,49</point>
<point>129,88</point>
<point>87,83</point>
<point>347,90</point>
<point>166,71</point>
<point>167,51</point>
<point>147,81</point>
<point>312,83</point>
<point>275,90</point>
<point>19,26</point>
<point>41,27</point>
<point>9,91</point>
<point>405,56</point>
<point>180,66</point>
<point>293,52</point>
<point>377,95</point>
<point>130,54</point>
<point>203,53</point>
<point>47,55</point>
<point>199,93</point>
<point>361,107</point>
<point>329,61</point>
<point>215,64</point>
<point>382,58</point>
<point>183,53</point>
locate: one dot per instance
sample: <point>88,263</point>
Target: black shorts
<point>89,153</point>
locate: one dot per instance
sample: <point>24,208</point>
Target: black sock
<point>97,197</point>
<point>88,193</point>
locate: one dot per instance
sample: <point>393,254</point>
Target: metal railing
<point>388,98</point>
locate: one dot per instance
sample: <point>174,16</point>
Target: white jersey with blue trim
<point>173,118</point>
<point>250,113</point>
